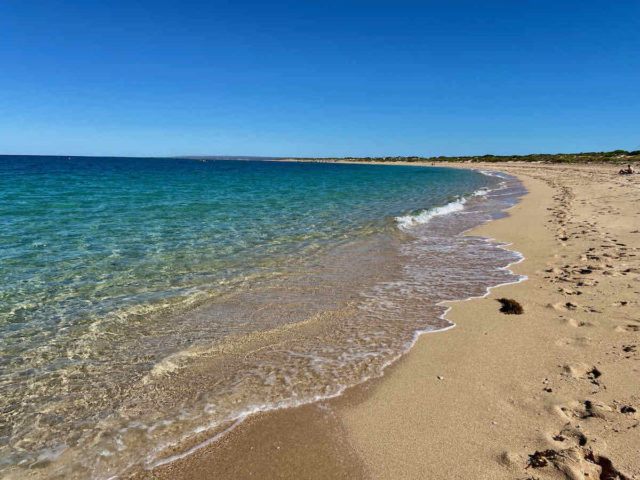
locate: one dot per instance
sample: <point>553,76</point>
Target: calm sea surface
<point>145,303</point>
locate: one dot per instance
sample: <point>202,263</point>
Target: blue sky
<point>318,78</point>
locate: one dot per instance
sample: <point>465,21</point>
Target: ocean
<point>148,305</point>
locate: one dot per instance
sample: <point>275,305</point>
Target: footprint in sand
<point>568,291</point>
<point>628,328</point>
<point>575,463</point>
<point>576,370</point>
<point>620,303</point>
<point>570,436</point>
<point>595,409</point>
<point>569,306</point>
<point>576,323</point>
<point>582,371</point>
<point>576,342</point>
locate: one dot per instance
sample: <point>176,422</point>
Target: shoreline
<point>351,445</point>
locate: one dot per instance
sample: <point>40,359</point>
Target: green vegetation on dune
<point>616,156</point>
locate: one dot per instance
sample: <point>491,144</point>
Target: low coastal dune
<point>550,394</point>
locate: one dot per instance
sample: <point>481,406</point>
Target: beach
<point>551,393</point>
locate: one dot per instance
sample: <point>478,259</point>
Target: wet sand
<point>552,393</point>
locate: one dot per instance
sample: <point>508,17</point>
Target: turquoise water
<point>85,237</point>
<point>121,278</point>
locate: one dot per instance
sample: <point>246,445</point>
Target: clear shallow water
<point>83,237</point>
<point>144,299</point>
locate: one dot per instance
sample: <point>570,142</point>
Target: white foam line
<point>237,420</point>
<point>492,173</point>
<point>195,448</point>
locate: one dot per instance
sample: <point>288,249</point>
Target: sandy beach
<point>552,393</point>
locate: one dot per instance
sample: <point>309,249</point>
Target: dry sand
<point>552,393</point>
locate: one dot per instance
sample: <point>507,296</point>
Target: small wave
<point>408,221</point>
<point>490,173</point>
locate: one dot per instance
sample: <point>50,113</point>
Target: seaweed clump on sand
<point>510,306</point>
<point>539,459</point>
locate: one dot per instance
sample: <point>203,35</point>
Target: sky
<point>318,78</point>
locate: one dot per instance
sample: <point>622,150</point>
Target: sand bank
<point>552,393</point>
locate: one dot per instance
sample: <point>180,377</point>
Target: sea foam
<point>405,222</point>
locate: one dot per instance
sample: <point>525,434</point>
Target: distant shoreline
<point>615,156</point>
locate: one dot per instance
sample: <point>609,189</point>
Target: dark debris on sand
<point>510,307</point>
<point>540,459</point>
